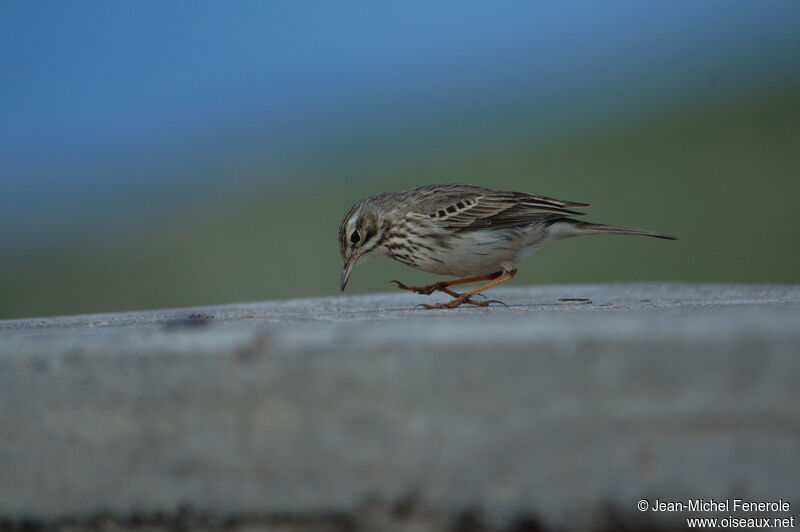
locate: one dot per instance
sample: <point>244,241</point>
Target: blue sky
<point>90,88</point>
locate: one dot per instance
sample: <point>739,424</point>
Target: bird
<point>474,233</point>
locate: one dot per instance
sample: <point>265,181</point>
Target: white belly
<point>481,252</point>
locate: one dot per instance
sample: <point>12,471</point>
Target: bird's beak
<point>348,269</point>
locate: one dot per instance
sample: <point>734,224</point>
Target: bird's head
<point>360,234</point>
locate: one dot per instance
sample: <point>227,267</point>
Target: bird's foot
<point>461,300</point>
<point>424,290</point>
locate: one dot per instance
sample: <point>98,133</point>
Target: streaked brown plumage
<point>460,230</point>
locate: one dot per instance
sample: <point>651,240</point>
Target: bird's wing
<point>465,207</point>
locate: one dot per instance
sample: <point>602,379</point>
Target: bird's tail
<point>566,227</point>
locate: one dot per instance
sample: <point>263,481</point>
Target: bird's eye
<point>355,237</point>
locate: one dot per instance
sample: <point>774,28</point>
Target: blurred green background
<point>205,153</point>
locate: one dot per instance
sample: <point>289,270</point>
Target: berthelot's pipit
<point>467,231</point>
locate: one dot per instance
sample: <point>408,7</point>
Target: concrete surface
<point>362,413</point>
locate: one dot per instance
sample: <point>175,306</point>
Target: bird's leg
<point>466,297</point>
<point>443,286</point>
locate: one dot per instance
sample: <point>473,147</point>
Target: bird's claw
<point>422,290</point>
<point>457,302</point>
<point>458,299</point>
